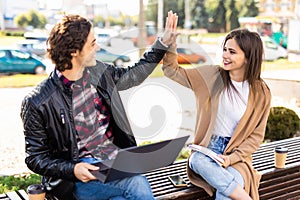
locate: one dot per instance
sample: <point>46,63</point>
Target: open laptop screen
<point>137,160</point>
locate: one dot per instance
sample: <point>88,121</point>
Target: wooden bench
<point>14,195</point>
<point>276,184</point>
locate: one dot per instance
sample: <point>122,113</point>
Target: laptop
<point>139,159</point>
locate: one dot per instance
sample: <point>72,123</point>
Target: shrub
<point>282,123</point>
<point>184,154</point>
<point>13,33</point>
<point>18,182</point>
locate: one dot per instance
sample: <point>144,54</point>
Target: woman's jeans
<point>135,188</point>
<point>223,180</point>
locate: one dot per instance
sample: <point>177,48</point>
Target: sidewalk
<point>12,145</point>
<point>290,74</point>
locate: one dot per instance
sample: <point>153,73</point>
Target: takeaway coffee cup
<point>280,156</point>
<point>36,192</point>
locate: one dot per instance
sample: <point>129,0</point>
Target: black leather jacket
<point>50,135</point>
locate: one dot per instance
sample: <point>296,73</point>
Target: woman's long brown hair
<point>252,46</point>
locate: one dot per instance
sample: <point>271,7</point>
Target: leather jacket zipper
<point>62,116</point>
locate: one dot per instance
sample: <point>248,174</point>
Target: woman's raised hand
<point>170,35</point>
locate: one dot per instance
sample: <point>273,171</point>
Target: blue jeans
<point>223,180</point>
<point>135,188</point>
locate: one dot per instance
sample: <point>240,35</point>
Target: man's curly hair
<point>67,36</point>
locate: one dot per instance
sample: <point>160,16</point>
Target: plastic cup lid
<point>281,149</point>
<point>35,189</point>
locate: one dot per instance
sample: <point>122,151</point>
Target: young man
<point>76,116</point>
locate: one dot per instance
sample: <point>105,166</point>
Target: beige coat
<point>206,83</point>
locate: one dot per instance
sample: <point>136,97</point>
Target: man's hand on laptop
<point>82,171</point>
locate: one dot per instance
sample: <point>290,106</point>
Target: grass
<point>20,80</point>
<point>280,64</point>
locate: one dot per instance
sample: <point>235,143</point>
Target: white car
<point>104,36</point>
<point>272,50</point>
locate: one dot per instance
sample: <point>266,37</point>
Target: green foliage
<point>177,6</point>
<point>151,11</point>
<point>219,18</point>
<point>233,18</point>
<point>282,123</point>
<point>184,154</point>
<point>199,13</point>
<point>31,18</point>
<point>250,8</point>
<point>214,15</point>
<point>20,182</point>
<point>12,33</point>
<point>21,20</point>
<point>99,20</point>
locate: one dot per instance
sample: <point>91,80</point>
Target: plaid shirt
<point>91,116</point>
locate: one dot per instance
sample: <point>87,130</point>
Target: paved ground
<point>11,136</point>
<point>159,109</point>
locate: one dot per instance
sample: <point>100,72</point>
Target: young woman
<point>233,104</point>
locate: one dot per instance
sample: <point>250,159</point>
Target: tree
<point>176,7</point>
<point>31,18</point>
<point>250,9</point>
<point>151,11</point>
<point>199,13</point>
<point>233,17</point>
<point>99,20</point>
<point>21,20</point>
<point>219,18</point>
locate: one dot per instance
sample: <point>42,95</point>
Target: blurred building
<point>274,16</point>
<point>50,8</point>
<point>282,9</point>
<point>9,9</point>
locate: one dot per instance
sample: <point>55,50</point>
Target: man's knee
<point>141,184</point>
<point>140,181</point>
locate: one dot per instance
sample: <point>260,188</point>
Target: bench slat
<point>281,191</point>
<point>23,194</point>
<point>186,194</point>
<point>13,196</point>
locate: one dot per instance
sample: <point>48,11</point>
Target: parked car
<point>17,61</point>
<point>148,42</point>
<point>133,34</point>
<point>272,50</point>
<point>34,46</point>
<point>104,36</point>
<point>187,56</point>
<point>116,59</point>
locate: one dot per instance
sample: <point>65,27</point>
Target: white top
<point>232,106</point>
